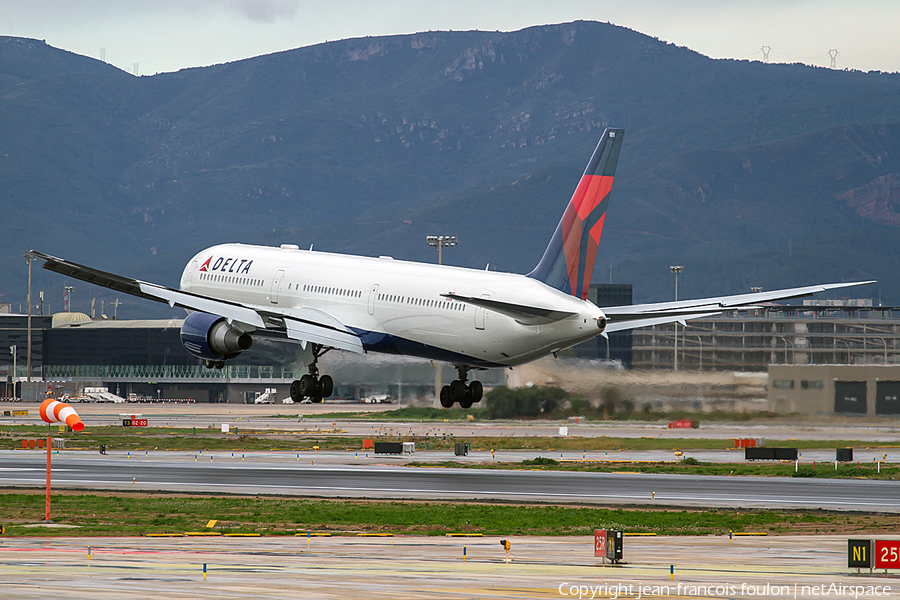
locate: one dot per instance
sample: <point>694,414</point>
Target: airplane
<point>470,318</point>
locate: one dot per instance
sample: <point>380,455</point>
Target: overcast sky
<point>167,35</point>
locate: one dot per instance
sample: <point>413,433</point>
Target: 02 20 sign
<point>887,554</point>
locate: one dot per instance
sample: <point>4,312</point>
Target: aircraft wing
<point>641,315</point>
<point>526,315</point>
<point>302,324</point>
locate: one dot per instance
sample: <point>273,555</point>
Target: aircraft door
<point>479,314</point>
<point>372,295</point>
<point>276,285</point>
<point>188,280</point>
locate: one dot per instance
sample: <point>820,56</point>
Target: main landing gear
<point>312,386</point>
<point>459,391</point>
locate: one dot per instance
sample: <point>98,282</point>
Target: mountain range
<point>748,174</point>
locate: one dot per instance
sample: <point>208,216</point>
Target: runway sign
<point>20,413</point>
<point>887,554</point>
<point>389,447</point>
<point>134,422</point>
<point>600,543</point>
<point>859,554</point>
<point>614,545</point>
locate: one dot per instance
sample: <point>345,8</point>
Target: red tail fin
<point>568,261</point>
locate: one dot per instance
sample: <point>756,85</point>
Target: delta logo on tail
<point>568,262</point>
<point>205,266</point>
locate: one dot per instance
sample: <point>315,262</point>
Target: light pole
<point>885,347</point>
<point>439,241</point>
<point>786,342</point>
<point>12,350</point>
<point>676,269</point>
<point>28,257</point>
<point>700,341</point>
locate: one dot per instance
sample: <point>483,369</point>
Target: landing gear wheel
<point>316,399</point>
<point>446,402</point>
<point>466,402</point>
<point>220,364</point>
<point>308,386</point>
<point>326,385</point>
<point>476,391</point>
<point>296,396</point>
<point>457,391</point>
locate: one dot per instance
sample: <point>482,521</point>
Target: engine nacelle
<point>210,337</point>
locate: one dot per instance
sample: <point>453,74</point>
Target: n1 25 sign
<point>887,554</point>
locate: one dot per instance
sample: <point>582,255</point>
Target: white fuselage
<point>397,306</point>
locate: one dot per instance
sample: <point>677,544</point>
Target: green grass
<point>755,469</point>
<point>163,438</point>
<point>125,514</point>
<point>409,413</point>
<point>478,413</point>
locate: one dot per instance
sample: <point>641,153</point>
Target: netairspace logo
<point>724,590</point>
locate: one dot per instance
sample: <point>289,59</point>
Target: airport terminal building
<point>146,359</point>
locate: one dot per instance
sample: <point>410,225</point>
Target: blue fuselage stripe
<point>385,343</point>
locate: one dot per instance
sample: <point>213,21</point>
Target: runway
<point>426,567</point>
<point>260,474</point>
<point>310,418</point>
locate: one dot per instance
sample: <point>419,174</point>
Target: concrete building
<point>14,350</point>
<point>777,335</point>
<point>872,390</point>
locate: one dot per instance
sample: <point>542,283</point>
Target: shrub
<point>540,460</point>
<point>577,404</point>
<point>609,400</point>
<point>504,403</point>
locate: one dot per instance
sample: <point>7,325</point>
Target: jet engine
<point>211,338</point>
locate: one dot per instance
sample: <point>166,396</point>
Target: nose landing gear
<point>459,391</point>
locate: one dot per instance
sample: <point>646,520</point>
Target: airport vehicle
<point>377,399</point>
<point>267,397</point>
<point>469,318</point>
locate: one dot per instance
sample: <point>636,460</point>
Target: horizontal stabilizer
<point>614,326</point>
<point>526,315</point>
<point>639,315</point>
